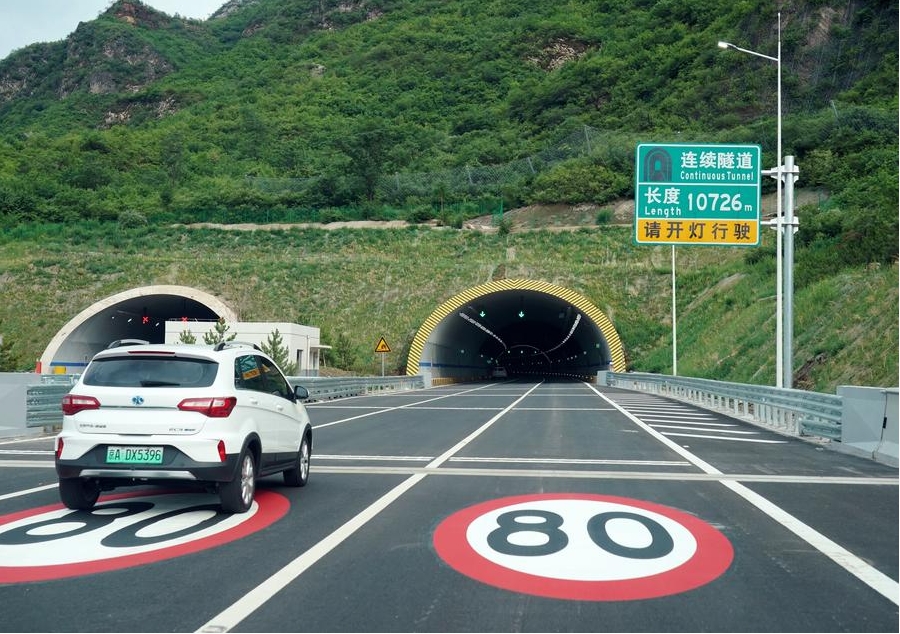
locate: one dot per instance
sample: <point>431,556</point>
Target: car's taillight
<point>214,406</point>
<point>73,403</point>
<point>59,447</point>
<point>221,448</point>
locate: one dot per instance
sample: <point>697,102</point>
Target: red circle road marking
<point>660,551</point>
<point>269,507</point>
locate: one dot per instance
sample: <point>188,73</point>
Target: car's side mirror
<point>301,393</point>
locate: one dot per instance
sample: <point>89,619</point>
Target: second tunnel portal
<point>525,326</point>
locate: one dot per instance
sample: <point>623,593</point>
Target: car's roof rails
<point>127,342</point>
<point>236,344</point>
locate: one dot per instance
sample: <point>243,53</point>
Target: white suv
<point>152,414</point>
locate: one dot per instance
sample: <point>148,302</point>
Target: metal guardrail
<point>326,388</point>
<point>43,401</point>
<point>793,412</point>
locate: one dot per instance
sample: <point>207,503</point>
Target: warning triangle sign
<point>382,346</point>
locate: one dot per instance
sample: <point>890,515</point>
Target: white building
<point>302,342</point>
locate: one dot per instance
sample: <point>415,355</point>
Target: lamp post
<point>784,271</point>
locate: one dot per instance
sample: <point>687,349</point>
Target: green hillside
<point>437,113</point>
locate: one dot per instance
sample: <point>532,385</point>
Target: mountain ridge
<point>455,115</point>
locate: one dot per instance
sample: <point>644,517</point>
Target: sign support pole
<point>791,174</point>
<point>674,326</point>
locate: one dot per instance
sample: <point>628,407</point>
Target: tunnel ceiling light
<point>568,336</point>
<point>483,328</point>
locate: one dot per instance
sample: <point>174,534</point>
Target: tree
<point>9,361</point>
<point>281,355</point>
<point>218,335</point>
<point>187,336</point>
<point>342,353</point>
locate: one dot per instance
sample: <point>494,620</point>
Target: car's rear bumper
<point>175,466</point>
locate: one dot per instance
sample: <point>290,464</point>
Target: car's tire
<point>79,493</point>
<point>298,474</point>
<point>237,496</point>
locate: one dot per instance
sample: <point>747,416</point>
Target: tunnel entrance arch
<point>524,326</point>
<point>138,313</point>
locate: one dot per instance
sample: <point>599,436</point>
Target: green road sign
<point>697,194</point>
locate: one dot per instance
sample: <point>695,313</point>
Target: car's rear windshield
<point>150,372</point>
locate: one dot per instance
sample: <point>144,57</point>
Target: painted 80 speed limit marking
<point>123,530</point>
<point>583,547</point>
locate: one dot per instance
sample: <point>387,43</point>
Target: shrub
<point>131,218</point>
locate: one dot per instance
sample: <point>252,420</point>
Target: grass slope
<point>360,284</point>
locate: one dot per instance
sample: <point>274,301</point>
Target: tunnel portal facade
<point>138,313</point>
<point>525,327</point>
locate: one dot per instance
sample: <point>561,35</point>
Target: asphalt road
<point>495,507</point>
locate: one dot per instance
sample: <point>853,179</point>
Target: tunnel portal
<point>139,313</point>
<point>525,326</point>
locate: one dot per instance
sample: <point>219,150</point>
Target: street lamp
<point>784,273</point>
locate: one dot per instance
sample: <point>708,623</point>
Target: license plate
<point>134,455</point>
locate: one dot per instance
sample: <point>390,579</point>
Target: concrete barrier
<point>869,422</point>
<point>13,412</point>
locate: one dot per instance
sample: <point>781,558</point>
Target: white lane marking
<point>656,414</point>
<point>26,452</point>
<point>587,474</point>
<point>383,409</point>
<point>728,438</point>
<point>376,458</point>
<point>659,421</point>
<point>559,473</point>
<point>27,463</point>
<point>658,463</point>
<point>520,409</point>
<point>253,600</point>
<point>564,409</point>
<point>706,429</point>
<point>391,409</point>
<point>875,579</point>
<point>27,439</point>
<point>662,408</point>
<point>8,496</point>
<point>370,407</point>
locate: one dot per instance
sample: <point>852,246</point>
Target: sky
<point>24,22</point>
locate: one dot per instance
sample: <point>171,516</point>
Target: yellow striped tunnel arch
<point>577,300</point>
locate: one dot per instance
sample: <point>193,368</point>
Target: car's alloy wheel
<point>298,474</point>
<point>79,493</point>
<point>237,496</point>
